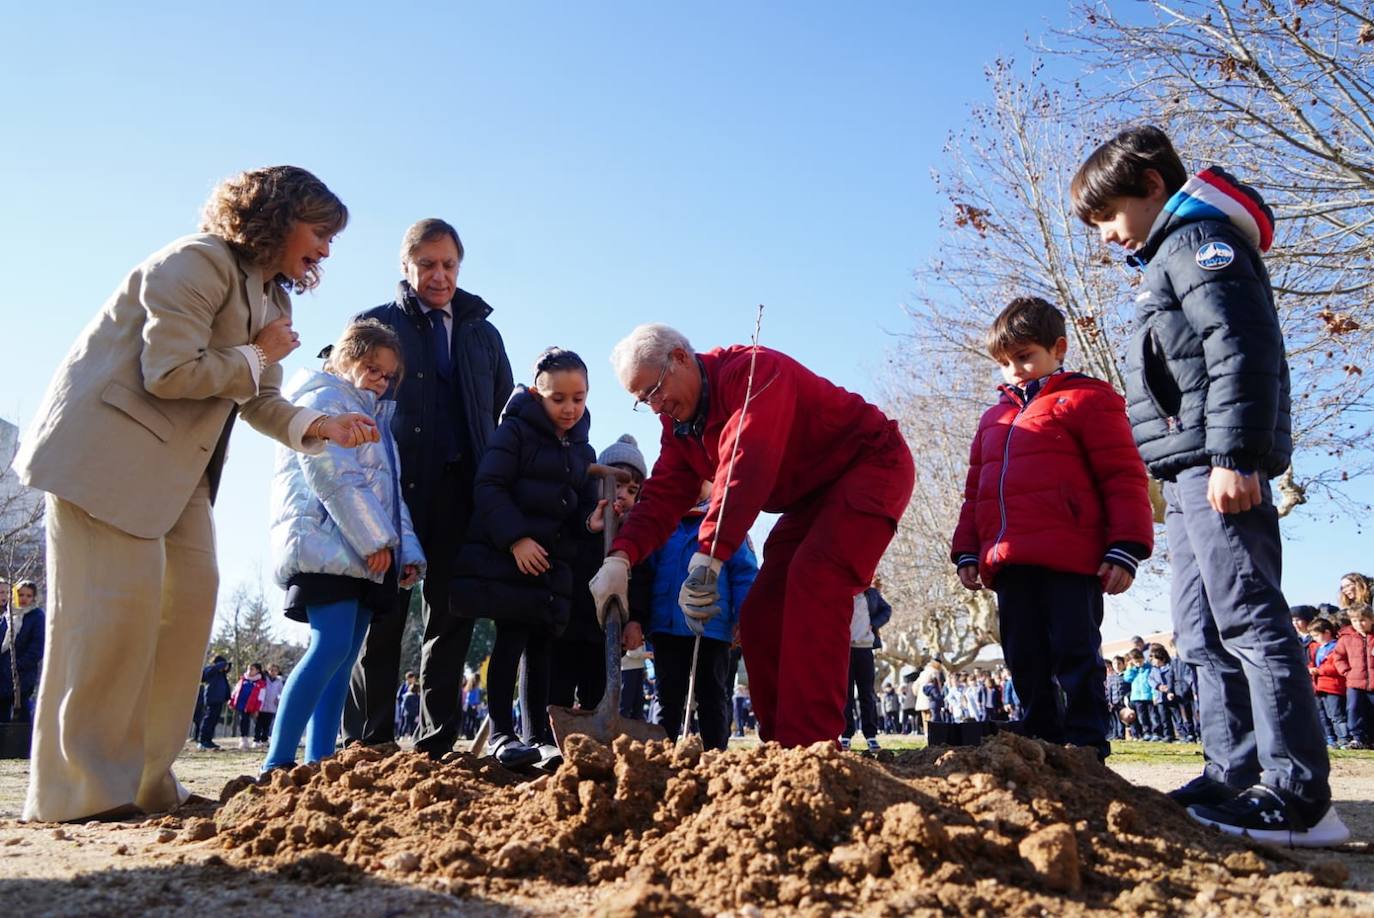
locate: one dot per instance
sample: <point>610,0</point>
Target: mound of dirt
<point>1012,827</point>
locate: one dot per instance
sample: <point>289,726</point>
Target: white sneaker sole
<point>1330,831</point>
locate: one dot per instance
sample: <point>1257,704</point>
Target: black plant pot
<point>15,739</point>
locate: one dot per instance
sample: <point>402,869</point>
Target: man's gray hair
<point>648,345</point>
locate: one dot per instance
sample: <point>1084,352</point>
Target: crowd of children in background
<point>1151,697</point>
<point>1339,642</point>
<point>935,695</point>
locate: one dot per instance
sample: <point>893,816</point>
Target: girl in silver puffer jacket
<point>340,533</point>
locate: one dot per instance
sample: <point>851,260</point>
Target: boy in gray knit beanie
<point>624,453</point>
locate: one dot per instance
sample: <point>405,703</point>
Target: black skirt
<point>304,590</point>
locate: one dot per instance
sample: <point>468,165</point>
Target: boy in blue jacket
<point>1207,393</point>
<point>671,633</point>
<point>1137,675</point>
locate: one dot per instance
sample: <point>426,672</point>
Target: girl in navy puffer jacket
<point>532,504</point>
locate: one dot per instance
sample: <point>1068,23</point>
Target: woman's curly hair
<point>254,211</point>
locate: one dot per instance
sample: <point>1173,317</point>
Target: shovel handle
<point>609,477</point>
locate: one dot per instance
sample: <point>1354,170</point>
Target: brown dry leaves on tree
<point>1285,101</point>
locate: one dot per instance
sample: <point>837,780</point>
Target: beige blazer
<point>134,415</point>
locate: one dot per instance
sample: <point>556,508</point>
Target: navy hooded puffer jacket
<point>531,482</point>
<point>1207,378</point>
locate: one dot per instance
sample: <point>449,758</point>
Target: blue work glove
<point>699,597</point>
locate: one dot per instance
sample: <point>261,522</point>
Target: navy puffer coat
<point>1207,379</point>
<point>531,482</point>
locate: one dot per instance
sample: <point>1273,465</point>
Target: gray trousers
<point>1259,719</point>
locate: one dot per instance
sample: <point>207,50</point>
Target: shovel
<point>604,723</point>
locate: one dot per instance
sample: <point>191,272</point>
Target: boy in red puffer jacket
<point>1328,681</point>
<point>1354,658</point>
<point>1056,513</point>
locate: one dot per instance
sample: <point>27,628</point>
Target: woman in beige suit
<point>129,444</point>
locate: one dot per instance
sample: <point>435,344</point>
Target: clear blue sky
<point>606,163</point>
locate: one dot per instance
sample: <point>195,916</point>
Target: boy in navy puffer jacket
<point>1056,512</point>
<point>1208,396</point>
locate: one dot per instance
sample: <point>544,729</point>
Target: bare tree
<point>934,617</point>
<point>1283,94</point>
<point>1288,102</point>
<point>22,543</point>
<point>246,634</point>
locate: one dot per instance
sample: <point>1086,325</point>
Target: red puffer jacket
<point>1352,658</point>
<point>1055,483</point>
<point>1327,680</point>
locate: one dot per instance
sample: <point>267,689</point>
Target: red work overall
<point>840,474</point>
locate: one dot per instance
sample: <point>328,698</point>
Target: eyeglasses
<point>648,397</point>
<point>376,373</point>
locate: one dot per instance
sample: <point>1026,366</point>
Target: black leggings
<point>513,641</point>
<point>577,673</point>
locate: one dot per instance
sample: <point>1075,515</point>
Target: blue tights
<point>312,701</point>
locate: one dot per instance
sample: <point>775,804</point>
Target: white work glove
<point>612,581</point>
<point>699,597</point>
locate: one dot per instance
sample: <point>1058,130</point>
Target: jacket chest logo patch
<point>1213,256</point>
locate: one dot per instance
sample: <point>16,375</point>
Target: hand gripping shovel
<point>604,723</point>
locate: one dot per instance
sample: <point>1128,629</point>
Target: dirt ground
<point>744,833</point>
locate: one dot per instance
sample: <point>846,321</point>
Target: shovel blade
<point>601,724</point>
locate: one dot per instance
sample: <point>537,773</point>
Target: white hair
<point>647,345</point>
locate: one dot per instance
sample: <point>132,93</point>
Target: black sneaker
<point>510,752</point>
<point>1268,815</point>
<point>1203,791</point>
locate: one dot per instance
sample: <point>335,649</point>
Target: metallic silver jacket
<point>331,510</point>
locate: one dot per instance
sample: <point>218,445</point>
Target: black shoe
<point>1269,815</point>
<point>1203,791</point>
<point>510,752</point>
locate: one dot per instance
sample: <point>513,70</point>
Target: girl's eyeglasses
<point>376,373</point>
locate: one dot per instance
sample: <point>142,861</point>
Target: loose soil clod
<point>1013,826</point>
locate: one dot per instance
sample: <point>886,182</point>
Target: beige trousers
<point>128,623</point>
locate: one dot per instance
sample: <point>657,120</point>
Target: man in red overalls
<point>833,465</point>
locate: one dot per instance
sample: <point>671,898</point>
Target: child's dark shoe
<point>510,752</point>
<point>1203,791</point>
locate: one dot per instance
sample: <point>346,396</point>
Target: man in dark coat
<point>456,380</point>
